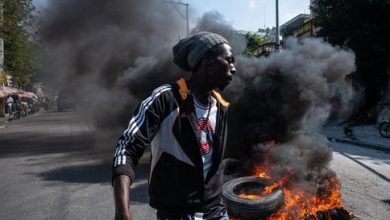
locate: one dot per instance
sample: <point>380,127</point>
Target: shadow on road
<point>364,153</point>
<point>98,173</point>
<point>387,201</point>
<point>33,144</point>
<point>367,167</point>
<point>101,173</point>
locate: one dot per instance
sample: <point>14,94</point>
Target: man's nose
<point>232,68</point>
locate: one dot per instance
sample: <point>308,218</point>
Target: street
<point>53,167</point>
<point>365,178</point>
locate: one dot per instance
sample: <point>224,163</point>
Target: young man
<point>185,124</point>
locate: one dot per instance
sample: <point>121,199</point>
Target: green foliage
<point>21,58</point>
<point>362,26</point>
<point>254,43</point>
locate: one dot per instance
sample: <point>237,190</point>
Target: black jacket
<point>167,121</point>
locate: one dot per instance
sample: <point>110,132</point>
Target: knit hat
<point>191,50</point>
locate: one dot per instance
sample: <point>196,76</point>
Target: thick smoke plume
<point>113,53</point>
<point>286,98</point>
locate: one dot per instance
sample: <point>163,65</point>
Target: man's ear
<point>207,62</point>
<point>205,65</point>
<point>210,60</point>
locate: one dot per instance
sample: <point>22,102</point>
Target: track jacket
<point>167,122</point>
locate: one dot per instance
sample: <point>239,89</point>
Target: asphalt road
<point>365,178</point>
<point>53,166</point>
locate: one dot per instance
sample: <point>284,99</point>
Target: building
<point>288,28</point>
<point>301,26</point>
<point>307,29</point>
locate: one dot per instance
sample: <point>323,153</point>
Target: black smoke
<point>286,98</point>
<point>114,53</point>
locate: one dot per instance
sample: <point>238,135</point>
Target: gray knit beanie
<point>191,50</point>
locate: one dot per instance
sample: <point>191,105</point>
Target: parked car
<point>66,101</point>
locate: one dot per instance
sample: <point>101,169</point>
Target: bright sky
<point>247,15</point>
<point>251,15</point>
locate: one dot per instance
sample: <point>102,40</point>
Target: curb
<point>361,144</point>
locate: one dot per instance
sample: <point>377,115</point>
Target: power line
<point>186,17</point>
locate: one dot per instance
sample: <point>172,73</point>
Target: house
<point>301,26</point>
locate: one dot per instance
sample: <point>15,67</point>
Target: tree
<point>255,41</point>
<point>362,26</point>
<point>20,50</point>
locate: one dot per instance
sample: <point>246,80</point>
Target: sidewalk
<point>362,135</point>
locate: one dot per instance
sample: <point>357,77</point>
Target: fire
<point>249,196</point>
<point>298,204</point>
<point>268,189</point>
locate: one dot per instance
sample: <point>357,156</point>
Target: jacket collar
<point>183,91</point>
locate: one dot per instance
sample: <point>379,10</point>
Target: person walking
<point>10,103</point>
<point>185,123</point>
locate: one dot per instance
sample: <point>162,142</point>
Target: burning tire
<point>251,208</point>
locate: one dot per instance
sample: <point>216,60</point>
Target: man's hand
<point>121,193</point>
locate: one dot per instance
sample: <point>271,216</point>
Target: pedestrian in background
<point>10,104</point>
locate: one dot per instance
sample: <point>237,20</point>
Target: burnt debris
<point>332,214</point>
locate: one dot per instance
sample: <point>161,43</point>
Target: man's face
<point>221,68</point>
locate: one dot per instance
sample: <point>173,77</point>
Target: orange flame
<point>249,196</point>
<point>298,203</point>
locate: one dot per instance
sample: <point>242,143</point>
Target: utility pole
<point>185,17</point>
<point>3,76</point>
<point>277,40</point>
<point>1,39</point>
<point>264,16</point>
<point>187,20</point>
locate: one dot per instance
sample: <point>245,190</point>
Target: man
<point>10,103</point>
<point>185,124</point>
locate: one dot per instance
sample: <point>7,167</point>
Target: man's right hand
<point>121,193</point>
